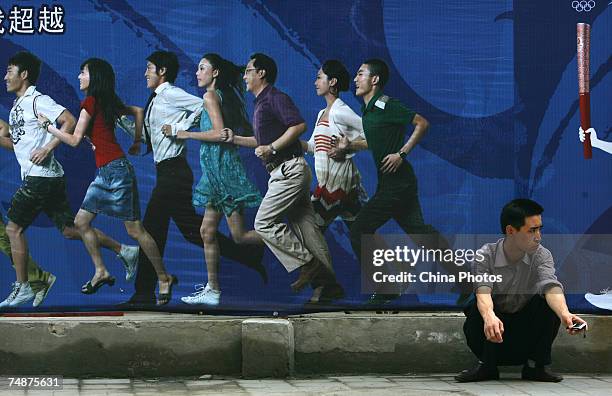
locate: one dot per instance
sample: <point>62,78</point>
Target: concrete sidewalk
<point>157,345</point>
<point>422,385</point>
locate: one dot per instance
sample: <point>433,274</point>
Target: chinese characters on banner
<point>26,20</point>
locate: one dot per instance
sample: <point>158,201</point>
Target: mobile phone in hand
<point>578,326</point>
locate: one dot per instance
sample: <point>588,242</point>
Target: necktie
<point>147,112</point>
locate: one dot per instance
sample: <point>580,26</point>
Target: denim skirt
<point>114,191</point>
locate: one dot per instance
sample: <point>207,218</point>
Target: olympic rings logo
<point>583,5</point>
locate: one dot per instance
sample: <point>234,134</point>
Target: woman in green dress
<point>224,189</point>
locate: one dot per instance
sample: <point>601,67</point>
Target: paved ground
<point>332,385</point>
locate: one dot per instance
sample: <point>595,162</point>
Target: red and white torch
<point>583,54</point>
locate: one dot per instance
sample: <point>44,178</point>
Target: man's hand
<point>569,319</point>
<point>493,329</point>
<point>227,135</point>
<point>4,128</point>
<point>391,163</point>
<point>43,121</point>
<point>343,143</point>
<point>336,154</point>
<point>593,136</point>
<point>264,152</point>
<point>339,148</point>
<point>135,148</point>
<point>5,139</point>
<point>222,135</point>
<point>595,141</point>
<point>39,155</point>
<point>167,130</point>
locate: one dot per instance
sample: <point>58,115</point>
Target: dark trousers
<point>528,334</point>
<point>397,198</point>
<point>324,278</point>
<point>171,199</point>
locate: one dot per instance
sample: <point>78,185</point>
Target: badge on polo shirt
<point>381,102</point>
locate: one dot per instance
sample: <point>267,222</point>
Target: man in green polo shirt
<point>384,122</point>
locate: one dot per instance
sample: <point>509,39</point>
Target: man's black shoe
<point>480,372</point>
<point>540,374</point>
<point>308,272</point>
<point>378,299</point>
<point>326,294</point>
<point>332,292</point>
<point>137,302</point>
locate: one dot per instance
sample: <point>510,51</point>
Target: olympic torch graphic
<point>583,54</point>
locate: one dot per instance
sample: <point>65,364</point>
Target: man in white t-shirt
<point>44,187</point>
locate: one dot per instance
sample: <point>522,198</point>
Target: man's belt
<point>170,161</point>
<point>279,159</point>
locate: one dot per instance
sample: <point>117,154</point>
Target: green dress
<point>224,184</point>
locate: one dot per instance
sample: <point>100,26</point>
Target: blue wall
<point>496,79</point>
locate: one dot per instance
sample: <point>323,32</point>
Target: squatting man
<point>515,321</point>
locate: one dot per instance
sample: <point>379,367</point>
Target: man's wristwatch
<point>402,154</point>
<point>273,149</point>
<point>45,125</point>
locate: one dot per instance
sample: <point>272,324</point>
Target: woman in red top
<point>113,192</point>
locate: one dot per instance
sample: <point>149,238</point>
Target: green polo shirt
<point>385,128</point>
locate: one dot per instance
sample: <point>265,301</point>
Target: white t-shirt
<point>27,136</point>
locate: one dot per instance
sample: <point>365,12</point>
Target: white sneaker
<point>21,293</point>
<point>42,293</point>
<point>199,289</point>
<point>129,256</point>
<point>11,296</point>
<point>601,300</point>
<point>203,295</point>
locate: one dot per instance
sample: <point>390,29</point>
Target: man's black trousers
<point>528,334</point>
<point>171,199</point>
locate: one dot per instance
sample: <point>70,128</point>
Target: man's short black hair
<point>515,212</point>
<point>166,59</point>
<point>378,67</point>
<point>27,61</point>
<point>264,62</point>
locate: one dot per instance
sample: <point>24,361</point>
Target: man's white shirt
<point>27,136</point>
<point>175,107</point>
